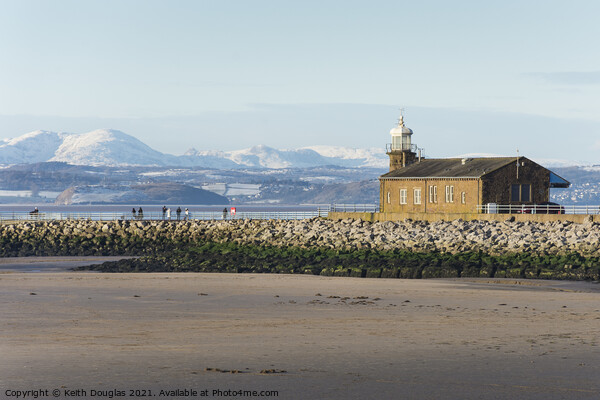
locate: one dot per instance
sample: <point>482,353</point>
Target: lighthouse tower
<point>401,150</point>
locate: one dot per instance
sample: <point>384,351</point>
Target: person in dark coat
<point>164,210</point>
<point>133,213</point>
<point>140,213</point>
<point>178,213</point>
<point>225,213</point>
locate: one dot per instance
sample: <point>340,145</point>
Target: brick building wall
<point>434,195</point>
<point>500,184</point>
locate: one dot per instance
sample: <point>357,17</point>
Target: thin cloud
<point>223,84</point>
<point>568,77</point>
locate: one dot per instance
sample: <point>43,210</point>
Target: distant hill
<point>585,186</point>
<point>109,147</point>
<point>152,193</point>
<point>363,192</point>
<point>174,193</point>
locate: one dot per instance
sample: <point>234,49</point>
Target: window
<point>520,193</point>
<point>449,194</point>
<point>525,192</point>
<point>463,197</point>
<point>417,196</point>
<point>403,196</point>
<point>433,194</point>
<point>515,192</point>
<point>389,198</point>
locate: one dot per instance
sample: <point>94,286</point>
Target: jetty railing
<point>537,209</point>
<point>370,208</point>
<point>158,216</point>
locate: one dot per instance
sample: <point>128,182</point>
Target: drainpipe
<point>425,192</point>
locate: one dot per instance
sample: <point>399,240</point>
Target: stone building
<point>458,185</point>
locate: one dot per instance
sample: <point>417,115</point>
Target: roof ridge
<point>475,167</point>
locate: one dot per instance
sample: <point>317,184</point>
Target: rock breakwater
<point>409,249</point>
<point>148,237</point>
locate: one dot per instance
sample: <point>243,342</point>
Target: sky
<point>472,76</point>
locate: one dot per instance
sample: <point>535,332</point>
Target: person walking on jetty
<point>178,213</point>
<point>225,213</point>
<point>164,210</point>
<point>187,215</point>
<point>133,213</point>
<point>169,214</point>
<point>35,213</point>
<point>140,213</point>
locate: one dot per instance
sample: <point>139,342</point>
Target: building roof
<point>558,182</point>
<point>451,168</point>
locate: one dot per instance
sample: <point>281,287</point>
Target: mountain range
<point>105,165</point>
<point>108,147</point>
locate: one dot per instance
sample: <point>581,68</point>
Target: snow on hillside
<point>262,156</point>
<point>546,162</point>
<point>371,157</point>
<point>31,147</point>
<point>108,147</point>
<point>592,168</point>
<point>268,157</point>
<point>207,159</point>
<point>112,147</point>
<point>560,163</point>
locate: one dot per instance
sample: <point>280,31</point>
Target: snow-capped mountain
<point>112,147</point>
<point>99,147</point>
<point>32,147</point>
<point>109,147</point>
<point>546,162</point>
<point>267,157</point>
<point>372,157</point>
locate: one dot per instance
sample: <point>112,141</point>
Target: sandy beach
<point>302,336</point>
<point>51,264</point>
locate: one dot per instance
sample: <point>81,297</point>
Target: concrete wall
<point>433,217</point>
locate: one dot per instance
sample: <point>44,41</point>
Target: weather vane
<point>401,119</point>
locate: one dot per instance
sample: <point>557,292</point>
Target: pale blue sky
<point>476,75</point>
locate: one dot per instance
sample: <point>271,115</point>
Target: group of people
<point>166,213</point>
<point>139,215</point>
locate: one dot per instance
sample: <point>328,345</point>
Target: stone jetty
<point>81,237</point>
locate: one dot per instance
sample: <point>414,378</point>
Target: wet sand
<point>51,264</point>
<point>335,338</point>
